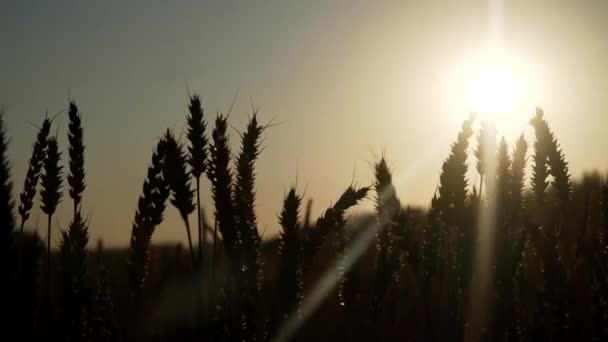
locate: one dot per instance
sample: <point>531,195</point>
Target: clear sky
<point>346,80</point>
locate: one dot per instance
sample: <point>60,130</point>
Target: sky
<point>347,81</point>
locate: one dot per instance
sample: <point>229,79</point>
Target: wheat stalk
<point>175,174</point>
<point>291,250</point>
<point>149,214</point>
<point>503,183</point>
<point>540,171</point>
<point>33,172</point>
<point>558,167</point>
<point>451,207</point>
<point>51,192</point>
<point>387,262</point>
<point>333,217</point>
<point>518,177</point>
<point>197,159</point>
<point>250,264</point>
<point>74,267</point>
<point>220,175</point>
<point>76,153</point>
<point>549,160</point>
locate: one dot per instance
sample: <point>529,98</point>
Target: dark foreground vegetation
<point>402,273</point>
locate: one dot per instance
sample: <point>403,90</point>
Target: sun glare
<point>494,91</point>
<point>495,85</point>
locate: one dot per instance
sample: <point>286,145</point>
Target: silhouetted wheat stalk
<point>452,218</point>
<point>481,153</point>
<point>291,250</point>
<point>220,175</point>
<point>307,215</point>
<point>76,152</point>
<point>250,270</point>
<point>540,171</point>
<point>387,261</point>
<point>431,241</point>
<point>51,192</point>
<point>332,222</point>
<point>553,305</point>
<point>558,167</point>
<point>7,221</point>
<point>33,172</point>
<point>74,267</point>
<point>74,241</point>
<point>505,258</point>
<point>503,183</point>
<point>244,201</point>
<point>519,234</point>
<point>149,214</point>
<point>333,217</point>
<point>518,178</point>
<point>175,174</point>
<point>197,159</point>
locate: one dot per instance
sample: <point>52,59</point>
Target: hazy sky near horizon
<point>347,80</point>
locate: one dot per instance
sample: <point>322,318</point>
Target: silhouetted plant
<point>250,270</point>
<point>452,181</point>
<point>197,159</point>
<point>149,214</point>
<point>175,174</point>
<point>432,240</point>
<point>74,267</point>
<point>452,210</point>
<point>518,178</point>
<point>540,171</point>
<point>552,309</point>
<point>481,152</point>
<point>307,214</point>
<point>220,175</point>
<point>291,250</point>
<point>7,221</point>
<point>555,158</point>
<point>503,183</point>
<point>51,192</point>
<point>33,172</point>
<point>332,222</point>
<point>551,279</point>
<point>76,152</point>
<point>520,237</point>
<point>387,260</point>
<point>505,238</point>
<point>333,217</point>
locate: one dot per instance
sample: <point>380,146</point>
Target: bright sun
<point>493,91</point>
<point>495,85</point>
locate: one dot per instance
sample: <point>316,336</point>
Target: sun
<point>498,85</point>
<point>494,91</point>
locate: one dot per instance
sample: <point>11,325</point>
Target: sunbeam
<point>483,275</point>
<point>326,283</point>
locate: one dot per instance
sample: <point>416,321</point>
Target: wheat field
<point>512,256</point>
